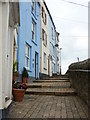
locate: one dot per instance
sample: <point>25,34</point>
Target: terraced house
<point>29,38</point>
<point>48,49</point>
<point>57,53</point>
<point>9,21</point>
<point>44,41</point>
<point>52,40</point>
<point>37,50</point>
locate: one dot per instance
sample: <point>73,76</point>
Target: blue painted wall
<point>25,36</point>
<point>52,42</point>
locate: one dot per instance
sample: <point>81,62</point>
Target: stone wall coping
<point>79,70</point>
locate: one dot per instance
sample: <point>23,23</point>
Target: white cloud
<point>70,28</point>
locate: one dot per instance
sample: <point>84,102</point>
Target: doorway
<point>49,65</point>
<point>7,82</point>
<point>36,65</point>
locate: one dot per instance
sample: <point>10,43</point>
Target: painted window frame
<point>52,32</point>
<point>33,7</point>
<point>27,56</point>
<point>44,37</point>
<point>44,16</point>
<point>33,30</point>
<point>45,60</point>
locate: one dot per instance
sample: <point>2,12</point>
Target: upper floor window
<point>53,49</point>
<point>44,37</point>
<point>33,30</point>
<point>52,33</point>
<point>33,6</point>
<point>45,60</point>
<point>27,56</point>
<point>44,16</point>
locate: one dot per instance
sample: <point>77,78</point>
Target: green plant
<point>24,73</point>
<point>19,85</point>
<point>15,64</point>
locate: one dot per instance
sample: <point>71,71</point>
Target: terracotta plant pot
<point>18,94</point>
<point>25,80</point>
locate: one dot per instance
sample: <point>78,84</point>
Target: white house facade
<point>44,40</point>
<point>57,54</point>
<point>9,17</point>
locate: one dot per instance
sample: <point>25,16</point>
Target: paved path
<point>42,105</point>
<point>35,106</point>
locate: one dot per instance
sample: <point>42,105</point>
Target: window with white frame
<point>33,30</point>
<point>52,33</point>
<point>44,37</point>
<point>45,60</point>
<point>44,16</point>
<point>33,6</point>
<point>27,57</point>
<point>53,49</point>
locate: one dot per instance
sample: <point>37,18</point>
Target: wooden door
<point>36,66</point>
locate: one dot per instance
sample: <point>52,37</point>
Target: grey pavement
<point>35,106</point>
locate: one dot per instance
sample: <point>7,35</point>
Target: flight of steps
<point>54,86</point>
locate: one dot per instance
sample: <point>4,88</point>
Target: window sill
<point>34,42</point>
<point>44,45</point>
<point>34,15</point>
<point>28,69</point>
<point>45,68</point>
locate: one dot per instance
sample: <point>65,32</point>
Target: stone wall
<point>78,74</point>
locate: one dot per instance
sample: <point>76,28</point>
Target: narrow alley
<point>54,98</point>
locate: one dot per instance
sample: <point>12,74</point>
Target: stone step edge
<point>41,86</point>
<point>56,79</point>
<point>51,81</point>
<point>52,93</point>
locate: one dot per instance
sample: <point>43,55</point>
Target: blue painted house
<point>28,53</point>
<point>52,41</point>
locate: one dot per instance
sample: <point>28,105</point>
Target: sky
<point>71,22</point>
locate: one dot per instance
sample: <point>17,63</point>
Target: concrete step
<point>54,78</point>
<point>49,85</point>
<point>51,91</point>
<point>41,81</point>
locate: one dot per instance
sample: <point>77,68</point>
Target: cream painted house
<point>57,54</point>
<point>9,19</point>
<point>44,45</point>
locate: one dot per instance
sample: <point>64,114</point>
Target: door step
<point>49,85</point>
<point>58,92</point>
<point>58,78</point>
<point>40,81</point>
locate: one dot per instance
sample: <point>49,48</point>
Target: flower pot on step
<point>18,94</point>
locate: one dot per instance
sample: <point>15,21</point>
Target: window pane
<point>27,57</point>
<point>28,51</point>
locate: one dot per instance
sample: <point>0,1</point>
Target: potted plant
<point>18,91</point>
<point>15,72</point>
<point>24,75</point>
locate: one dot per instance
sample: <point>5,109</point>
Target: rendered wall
<point>25,36</point>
